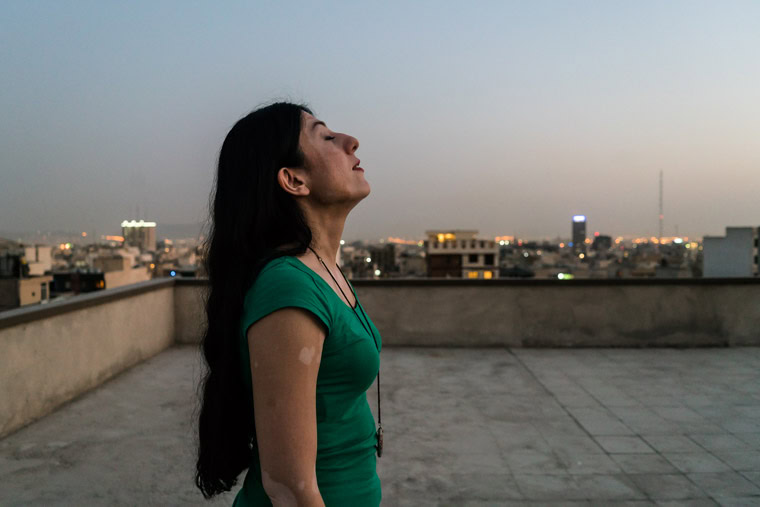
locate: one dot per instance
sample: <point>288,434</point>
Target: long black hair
<point>250,217</point>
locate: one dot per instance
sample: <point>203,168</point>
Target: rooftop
<point>463,426</point>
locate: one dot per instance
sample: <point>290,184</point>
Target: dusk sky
<point>506,117</point>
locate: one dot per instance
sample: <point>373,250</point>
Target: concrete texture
<point>602,314</point>
<point>463,427</point>
<point>189,310</point>
<point>48,361</point>
<point>541,313</point>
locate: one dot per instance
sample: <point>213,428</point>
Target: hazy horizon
<point>506,117</point>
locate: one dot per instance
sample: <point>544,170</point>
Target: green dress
<point>346,430</point>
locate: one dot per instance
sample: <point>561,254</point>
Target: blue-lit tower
<point>579,233</point>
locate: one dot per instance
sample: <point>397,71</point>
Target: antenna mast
<point>662,216</point>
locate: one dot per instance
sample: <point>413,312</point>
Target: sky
<point>505,117</point>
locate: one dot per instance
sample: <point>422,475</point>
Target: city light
<point>135,223</point>
<point>678,241</point>
<point>342,242</point>
<point>172,273</point>
<point>377,272</point>
<point>84,234</point>
<point>402,241</point>
<point>369,259</point>
<point>581,256</point>
<point>579,218</point>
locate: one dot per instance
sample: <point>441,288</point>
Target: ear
<point>292,181</point>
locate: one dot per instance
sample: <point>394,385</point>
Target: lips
<point>357,168</point>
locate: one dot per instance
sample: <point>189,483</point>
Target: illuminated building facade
<point>579,233</point>
<point>460,254</point>
<point>139,233</point>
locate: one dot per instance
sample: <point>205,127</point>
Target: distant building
<point>732,255</point>
<point>15,292</point>
<point>112,262</point>
<point>579,233</point>
<point>139,233</point>
<point>39,258</point>
<point>17,285</point>
<point>384,258</point>
<point>77,281</point>
<point>601,243</point>
<point>411,265</point>
<point>459,254</point>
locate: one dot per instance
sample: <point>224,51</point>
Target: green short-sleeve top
<point>346,430</point>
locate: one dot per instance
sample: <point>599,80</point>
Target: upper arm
<point>285,348</point>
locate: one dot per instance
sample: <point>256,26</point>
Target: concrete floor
<point>462,427</point>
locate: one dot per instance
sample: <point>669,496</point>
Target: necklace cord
<point>356,300</point>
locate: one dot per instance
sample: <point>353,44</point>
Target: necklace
<point>367,328</point>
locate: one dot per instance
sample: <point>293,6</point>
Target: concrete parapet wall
<point>54,352</point>
<point>189,310</point>
<point>542,313</point>
<point>636,313</point>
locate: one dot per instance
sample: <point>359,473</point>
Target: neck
<point>326,230</point>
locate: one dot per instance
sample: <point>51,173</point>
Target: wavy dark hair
<point>251,217</point>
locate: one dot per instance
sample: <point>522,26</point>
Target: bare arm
<point>285,349</point>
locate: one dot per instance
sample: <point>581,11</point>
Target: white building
<point>139,233</point>
<point>39,258</point>
<point>732,255</point>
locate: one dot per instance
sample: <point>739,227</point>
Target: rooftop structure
<point>464,424</point>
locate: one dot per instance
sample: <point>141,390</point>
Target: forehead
<point>309,123</point>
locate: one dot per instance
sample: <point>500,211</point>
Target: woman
<point>290,351</point>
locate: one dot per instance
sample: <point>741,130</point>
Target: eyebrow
<point>318,122</point>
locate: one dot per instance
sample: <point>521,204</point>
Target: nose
<point>352,143</point>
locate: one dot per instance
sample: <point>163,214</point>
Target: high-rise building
<point>459,254</point>
<point>579,233</point>
<point>139,233</point>
<point>732,255</point>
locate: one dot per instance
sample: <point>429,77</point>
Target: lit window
<point>472,274</point>
<point>487,275</point>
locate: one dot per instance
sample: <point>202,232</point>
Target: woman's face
<point>333,174</point>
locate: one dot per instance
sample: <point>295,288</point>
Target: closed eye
<point>329,138</point>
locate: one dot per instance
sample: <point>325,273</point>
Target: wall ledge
<point>40,311</point>
<point>528,282</point>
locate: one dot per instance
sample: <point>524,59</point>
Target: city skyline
<point>508,118</point>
